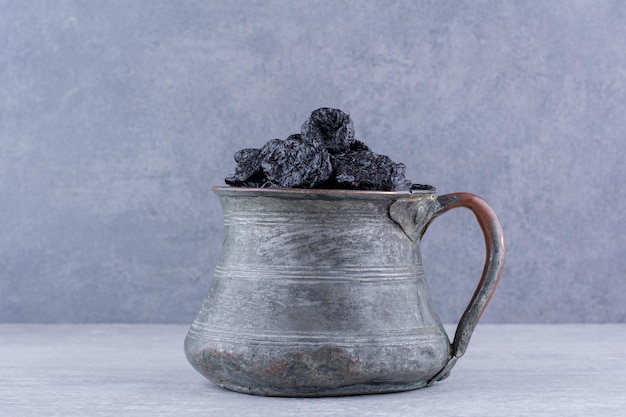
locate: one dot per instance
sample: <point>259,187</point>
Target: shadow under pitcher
<point>322,292</point>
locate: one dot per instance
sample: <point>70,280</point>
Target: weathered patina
<point>322,292</point>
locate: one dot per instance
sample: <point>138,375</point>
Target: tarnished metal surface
<point>321,292</point>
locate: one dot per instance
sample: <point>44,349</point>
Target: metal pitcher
<point>322,292</point>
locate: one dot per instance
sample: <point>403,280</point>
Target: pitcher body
<point>320,292</point>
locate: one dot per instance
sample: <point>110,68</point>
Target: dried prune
<point>248,171</point>
<point>331,128</point>
<point>366,170</point>
<point>294,163</point>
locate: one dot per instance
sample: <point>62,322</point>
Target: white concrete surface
<point>140,370</point>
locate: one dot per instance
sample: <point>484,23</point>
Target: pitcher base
<point>358,389</point>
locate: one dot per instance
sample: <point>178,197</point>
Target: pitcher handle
<point>492,271</point>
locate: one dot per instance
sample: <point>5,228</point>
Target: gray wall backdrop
<point>116,118</point>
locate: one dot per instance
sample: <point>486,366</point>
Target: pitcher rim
<point>220,189</point>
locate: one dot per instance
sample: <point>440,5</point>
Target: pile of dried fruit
<point>324,154</point>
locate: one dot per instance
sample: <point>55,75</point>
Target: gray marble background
<point>116,117</point>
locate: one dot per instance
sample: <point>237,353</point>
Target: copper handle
<point>492,271</point>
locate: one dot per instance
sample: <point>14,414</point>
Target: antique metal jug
<point>322,292</point>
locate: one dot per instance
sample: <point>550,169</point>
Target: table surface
<point>141,370</point>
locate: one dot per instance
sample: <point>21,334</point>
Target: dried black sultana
<point>324,154</point>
